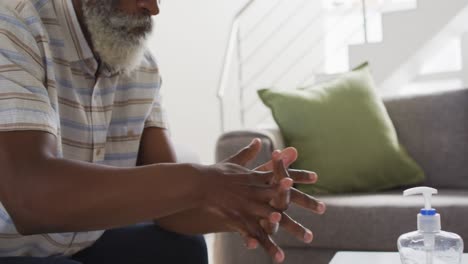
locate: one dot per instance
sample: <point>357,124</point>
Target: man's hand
<point>286,158</point>
<point>242,197</point>
<point>280,161</point>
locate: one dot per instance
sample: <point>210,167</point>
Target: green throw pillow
<point>343,132</point>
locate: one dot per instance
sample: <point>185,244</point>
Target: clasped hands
<point>253,202</point>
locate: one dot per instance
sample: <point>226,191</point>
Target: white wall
<point>189,42</point>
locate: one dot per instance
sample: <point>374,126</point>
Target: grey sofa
<point>434,130</point>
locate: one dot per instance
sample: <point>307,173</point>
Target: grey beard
<point>118,39</point>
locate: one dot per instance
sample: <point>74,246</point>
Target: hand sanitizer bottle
<point>429,245</point>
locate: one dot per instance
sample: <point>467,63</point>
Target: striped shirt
<point>48,83</point>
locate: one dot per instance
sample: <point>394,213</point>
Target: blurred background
<point>412,47</point>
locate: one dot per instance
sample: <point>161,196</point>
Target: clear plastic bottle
<point>429,245</point>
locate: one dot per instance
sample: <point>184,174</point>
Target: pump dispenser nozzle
<point>428,218</point>
<point>427,192</point>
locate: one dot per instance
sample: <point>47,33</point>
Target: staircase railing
<point>233,52</point>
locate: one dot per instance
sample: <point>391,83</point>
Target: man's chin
<point>122,59</point>
<point>118,39</point>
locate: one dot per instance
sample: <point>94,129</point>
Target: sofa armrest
<point>230,143</point>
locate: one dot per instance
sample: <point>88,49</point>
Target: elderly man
<point>84,148</point>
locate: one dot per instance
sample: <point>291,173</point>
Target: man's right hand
<point>242,197</point>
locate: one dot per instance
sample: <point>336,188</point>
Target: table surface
<point>350,257</point>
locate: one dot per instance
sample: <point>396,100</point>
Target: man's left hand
<point>279,159</point>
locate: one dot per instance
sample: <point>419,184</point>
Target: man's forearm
<point>62,195</point>
<point>156,147</point>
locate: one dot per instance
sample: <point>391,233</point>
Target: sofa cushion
<point>343,132</point>
<point>374,221</point>
<point>434,130</point>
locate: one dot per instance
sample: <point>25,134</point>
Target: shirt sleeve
<point>24,100</point>
<point>157,116</point>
